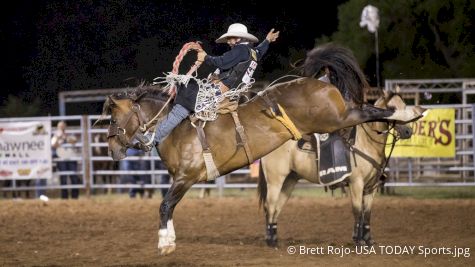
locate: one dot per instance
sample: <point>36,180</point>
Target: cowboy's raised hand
<point>272,36</point>
<point>201,55</point>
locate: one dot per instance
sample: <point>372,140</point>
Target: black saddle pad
<point>334,159</point>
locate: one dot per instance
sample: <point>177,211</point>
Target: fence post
<point>473,138</point>
<point>86,159</point>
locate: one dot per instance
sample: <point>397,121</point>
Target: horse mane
<point>133,93</point>
<point>345,72</point>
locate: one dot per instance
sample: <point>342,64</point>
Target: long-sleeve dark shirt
<point>238,53</point>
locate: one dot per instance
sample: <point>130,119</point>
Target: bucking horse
<point>276,115</point>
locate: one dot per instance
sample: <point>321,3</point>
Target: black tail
<point>345,73</point>
<point>261,186</point>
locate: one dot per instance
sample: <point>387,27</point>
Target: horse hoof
<point>166,250</point>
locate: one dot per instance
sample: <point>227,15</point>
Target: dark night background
<point>53,46</point>
<point>166,24</point>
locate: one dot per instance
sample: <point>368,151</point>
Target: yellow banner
<point>432,136</point>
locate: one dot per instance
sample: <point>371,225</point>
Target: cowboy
<point>233,68</point>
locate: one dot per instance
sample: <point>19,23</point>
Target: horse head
<point>131,112</point>
<point>394,100</point>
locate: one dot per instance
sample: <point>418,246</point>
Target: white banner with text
<point>25,150</point>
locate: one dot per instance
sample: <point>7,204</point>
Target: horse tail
<point>261,186</point>
<point>344,70</point>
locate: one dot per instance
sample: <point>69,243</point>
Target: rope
<point>171,88</point>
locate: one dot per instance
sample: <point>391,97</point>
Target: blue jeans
<point>165,127</point>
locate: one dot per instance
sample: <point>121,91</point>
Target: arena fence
<point>99,173</point>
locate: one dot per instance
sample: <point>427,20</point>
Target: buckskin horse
<point>312,106</point>
<point>281,169</point>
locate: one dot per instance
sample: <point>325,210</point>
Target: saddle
<point>275,111</point>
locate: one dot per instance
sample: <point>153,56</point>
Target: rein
<point>145,126</point>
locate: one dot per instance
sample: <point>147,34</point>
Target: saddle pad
<point>334,165</point>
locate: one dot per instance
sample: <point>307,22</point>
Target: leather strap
<point>211,169</point>
<point>241,137</point>
<point>202,137</point>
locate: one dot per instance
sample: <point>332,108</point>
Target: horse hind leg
<point>283,196</point>
<point>367,113</point>
<point>356,192</point>
<point>366,230</point>
<point>273,191</point>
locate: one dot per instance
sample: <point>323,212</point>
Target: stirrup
<point>146,141</point>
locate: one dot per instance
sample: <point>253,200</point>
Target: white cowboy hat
<point>237,30</point>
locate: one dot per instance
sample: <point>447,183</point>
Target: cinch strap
<point>287,122</point>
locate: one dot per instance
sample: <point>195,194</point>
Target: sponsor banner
<point>25,150</point>
<point>432,136</point>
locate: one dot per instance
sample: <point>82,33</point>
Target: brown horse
<point>282,168</point>
<point>312,106</point>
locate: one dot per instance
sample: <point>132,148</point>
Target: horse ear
<point>389,92</point>
<point>105,110</point>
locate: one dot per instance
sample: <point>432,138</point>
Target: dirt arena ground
<point>229,232</point>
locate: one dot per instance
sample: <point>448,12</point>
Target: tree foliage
<point>86,45</point>
<point>417,39</point>
<point>20,107</point>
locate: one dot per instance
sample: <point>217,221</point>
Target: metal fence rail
<point>98,171</point>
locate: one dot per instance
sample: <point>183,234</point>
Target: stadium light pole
<point>370,19</point>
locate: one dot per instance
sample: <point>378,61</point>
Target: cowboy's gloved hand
<point>201,55</point>
<point>272,36</point>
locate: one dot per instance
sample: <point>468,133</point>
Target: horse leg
<point>285,193</point>
<point>166,234</point>
<point>274,188</point>
<point>355,116</point>
<point>356,192</point>
<point>280,197</point>
<point>366,231</point>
